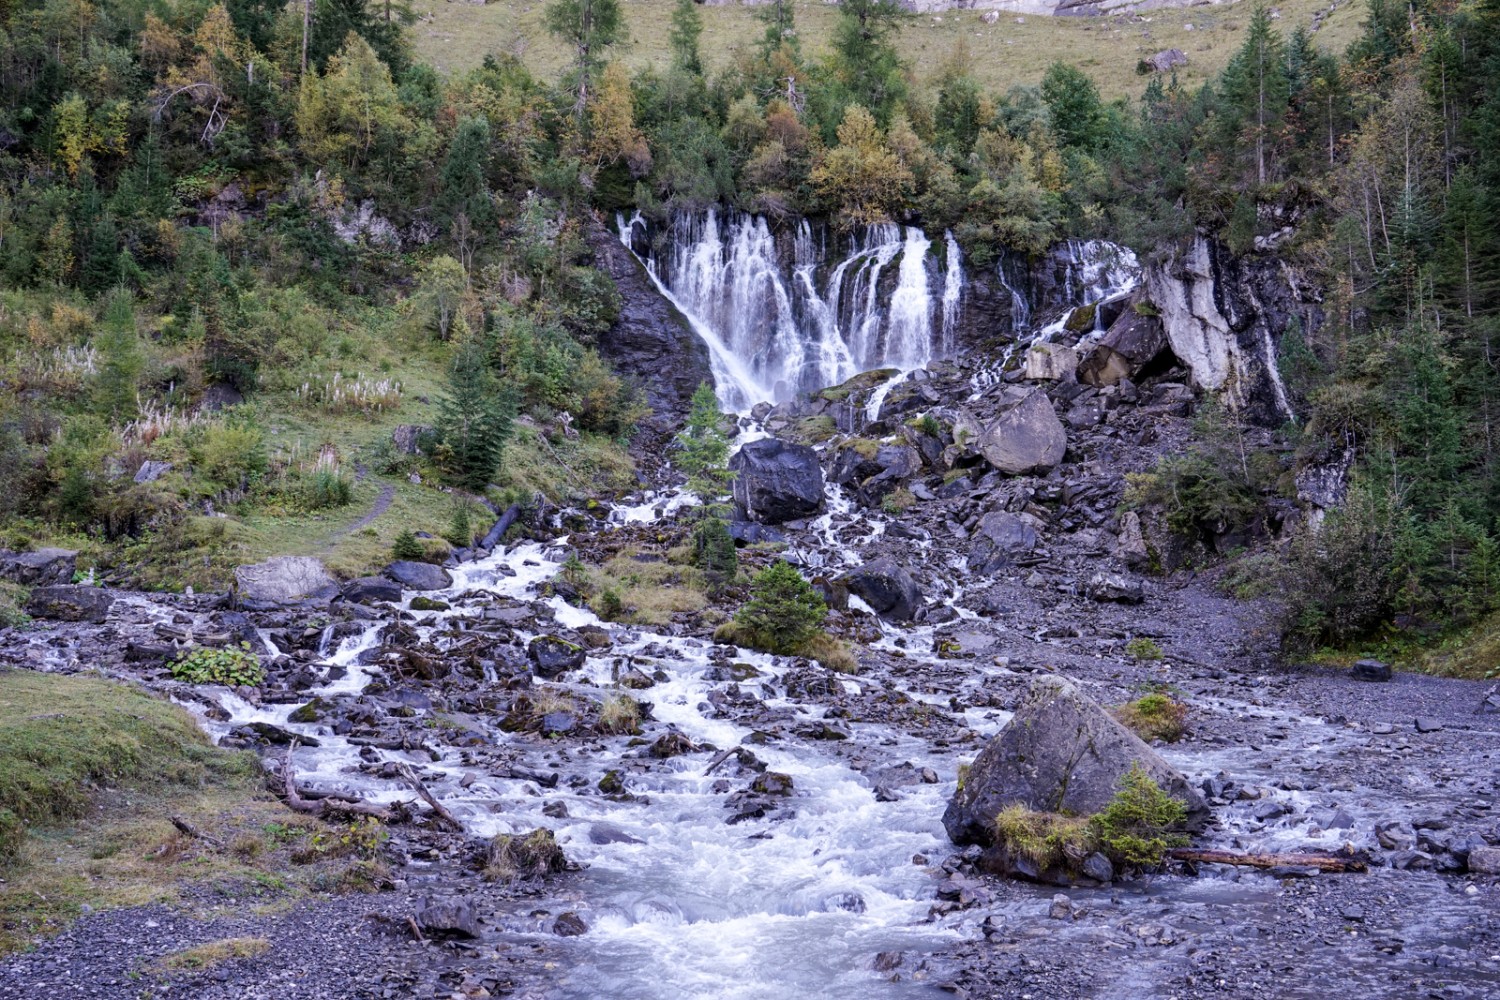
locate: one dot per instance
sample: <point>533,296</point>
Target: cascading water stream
<point>788,326</point>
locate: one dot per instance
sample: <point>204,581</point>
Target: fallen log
<point>325,806</point>
<point>189,830</point>
<point>445,817</point>
<point>492,537</point>
<point>1327,861</point>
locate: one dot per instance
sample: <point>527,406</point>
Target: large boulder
<point>1060,753</point>
<point>777,482</point>
<point>42,568</point>
<point>69,603</point>
<point>283,578</point>
<point>1050,362</point>
<point>1133,342</point>
<point>370,589</point>
<point>1023,438</point>
<point>1001,539</point>
<point>419,575</point>
<point>887,588</point>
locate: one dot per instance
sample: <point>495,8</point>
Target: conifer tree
<point>474,418</point>
<point>120,360</point>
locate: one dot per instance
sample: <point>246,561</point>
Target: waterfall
<point>780,323</point>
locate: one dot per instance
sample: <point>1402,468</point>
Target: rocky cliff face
<point>1224,318</point>
<point>651,341</point>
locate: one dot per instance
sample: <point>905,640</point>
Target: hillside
<point>1014,51</point>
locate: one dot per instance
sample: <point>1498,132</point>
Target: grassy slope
<point>93,770</point>
<point>456,36</point>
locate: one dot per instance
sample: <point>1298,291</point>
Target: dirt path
<point>380,506</point>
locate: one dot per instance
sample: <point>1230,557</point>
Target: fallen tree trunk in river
<point>1323,860</point>
<point>330,805</point>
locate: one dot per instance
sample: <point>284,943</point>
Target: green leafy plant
<point>784,610</point>
<point>232,665</point>
<point>1155,716</point>
<point>1139,825</point>
<point>1141,648</point>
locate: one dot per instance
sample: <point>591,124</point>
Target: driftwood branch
<point>327,806</point>
<point>444,816</point>
<point>721,758</point>
<point>1328,862</point>
<point>189,830</point>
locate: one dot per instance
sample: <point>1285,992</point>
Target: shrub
<point>460,531</point>
<point>1155,717</point>
<point>406,546</point>
<point>1049,840</point>
<point>229,453</point>
<point>620,714</point>
<point>514,856</point>
<point>1141,648</point>
<point>1137,828</point>
<point>234,666</point>
<point>324,488</point>
<point>784,610</point>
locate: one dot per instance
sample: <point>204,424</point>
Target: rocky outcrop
<point>1024,437</point>
<point>71,604</point>
<point>370,589</point>
<point>776,482</point>
<point>1061,753</point>
<point>887,588</point>
<point>1050,362</point>
<point>1165,61</point>
<point>1224,318</point>
<point>419,575</point>
<point>1001,539</point>
<point>551,655</point>
<point>651,341</point>
<point>42,568</point>
<point>284,579</point>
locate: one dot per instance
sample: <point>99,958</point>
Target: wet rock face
<point>1133,342</point>
<point>776,482</point>
<point>42,568</point>
<point>283,579</point>
<point>369,589</point>
<point>651,340</point>
<point>1023,438</point>
<point>71,604</point>
<point>419,575</point>
<point>1060,753</point>
<point>887,588</point>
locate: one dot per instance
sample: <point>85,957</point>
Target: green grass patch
<point>203,957</point>
<point>1155,716</point>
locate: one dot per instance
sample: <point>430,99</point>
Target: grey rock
<point>1426,725</point>
<point>1485,860</point>
<point>569,924</point>
<point>369,589</point>
<point>408,438</point>
<point>776,482</point>
<point>1097,867</point>
<point>150,471</point>
<point>41,568</point>
<point>887,588</point>
<point>419,575</point>
<point>283,579</point>
<point>1166,60</point>
<point>1001,539</point>
<point>1061,908</point>
<point>70,603</point>
<point>1060,753</point>
<point>1370,670</point>
<point>1132,342</point>
<point>550,655</point>
<point>1131,546</point>
<point>1050,362</point>
<point>1116,587</point>
<point>449,920</point>
<point>1024,438</point>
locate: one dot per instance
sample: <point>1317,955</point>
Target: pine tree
<point>1073,105</point>
<point>784,610</point>
<point>703,451</point>
<point>474,418</point>
<point>865,56</point>
<point>1254,92</point>
<point>590,27</point>
<point>687,27</point>
<point>120,360</point>
<point>464,186</point>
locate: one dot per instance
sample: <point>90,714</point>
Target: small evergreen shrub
<point>1141,648</point>
<point>1155,717</point>
<point>1138,827</point>
<point>406,547</point>
<point>784,610</point>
